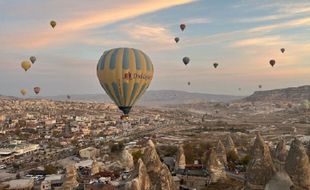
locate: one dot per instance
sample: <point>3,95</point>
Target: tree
<point>137,155</point>
<point>15,165</point>
<point>305,105</point>
<point>49,169</point>
<point>18,176</point>
<point>232,156</point>
<point>245,160</point>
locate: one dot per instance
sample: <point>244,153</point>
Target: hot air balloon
<point>36,90</point>
<point>215,65</point>
<point>53,23</point>
<point>239,89</point>
<point>23,92</point>
<point>176,39</point>
<point>260,86</point>
<point>186,60</point>
<point>33,59</point>
<point>272,62</point>
<point>188,83</point>
<point>282,50</point>
<point>125,74</point>
<point>182,27</point>
<point>68,97</point>
<point>26,65</point>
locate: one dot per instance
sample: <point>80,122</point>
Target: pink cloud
<point>76,28</point>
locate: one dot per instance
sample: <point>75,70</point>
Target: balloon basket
<point>125,117</point>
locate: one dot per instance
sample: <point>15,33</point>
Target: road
<point>239,177</point>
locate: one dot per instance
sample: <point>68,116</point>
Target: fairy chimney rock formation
<point>221,152</point>
<point>280,154</point>
<point>280,181</point>
<point>70,181</point>
<point>160,176</point>
<point>180,161</point>
<point>142,181</point>
<point>95,168</point>
<point>297,165</point>
<point>127,160</point>
<point>215,167</point>
<point>230,145</point>
<point>260,169</point>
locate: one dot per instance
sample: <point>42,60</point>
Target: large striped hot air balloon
<point>125,74</point>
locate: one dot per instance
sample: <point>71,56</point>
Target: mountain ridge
<point>293,94</point>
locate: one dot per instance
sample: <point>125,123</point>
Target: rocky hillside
<point>294,94</point>
<point>158,97</point>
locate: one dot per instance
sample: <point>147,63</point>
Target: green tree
<point>49,169</point>
<point>232,156</point>
<point>245,160</point>
<point>137,155</point>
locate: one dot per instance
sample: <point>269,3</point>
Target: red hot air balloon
<point>36,90</point>
<point>272,62</point>
<point>182,27</point>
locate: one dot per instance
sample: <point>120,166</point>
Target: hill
<point>158,97</point>
<point>293,94</point>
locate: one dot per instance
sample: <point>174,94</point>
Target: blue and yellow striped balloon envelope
<point>125,74</point>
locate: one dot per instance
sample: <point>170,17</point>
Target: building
<point>89,152</point>
<point>20,184</point>
<point>9,152</point>
<point>52,181</point>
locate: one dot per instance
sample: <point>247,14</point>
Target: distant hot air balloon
<point>26,65</point>
<point>53,23</point>
<point>186,60</point>
<point>188,83</point>
<point>182,27</point>
<point>125,74</point>
<point>68,96</point>
<point>260,86</point>
<point>33,59</point>
<point>23,92</point>
<point>239,89</point>
<point>176,39</point>
<point>282,50</point>
<point>36,90</point>
<point>215,65</point>
<point>272,62</point>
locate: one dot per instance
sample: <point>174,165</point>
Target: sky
<point>241,35</point>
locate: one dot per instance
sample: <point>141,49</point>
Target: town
<point>48,144</point>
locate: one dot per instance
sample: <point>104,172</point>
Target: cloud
<point>259,41</point>
<point>278,11</point>
<point>284,25</point>
<point>150,36</point>
<point>262,18</point>
<point>72,29</point>
<point>197,21</point>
